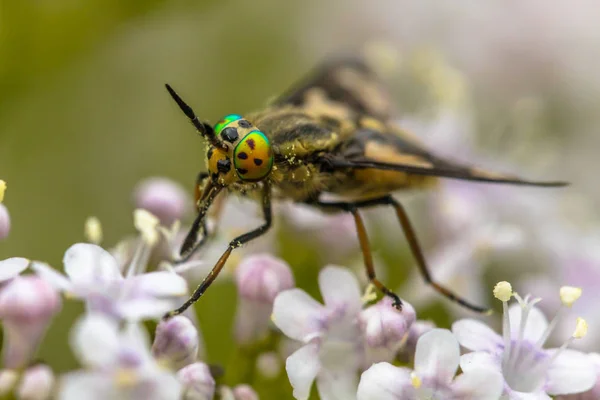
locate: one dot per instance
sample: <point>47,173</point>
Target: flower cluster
<point>352,345</point>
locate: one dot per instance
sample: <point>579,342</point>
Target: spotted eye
<point>226,120</point>
<point>253,157</point>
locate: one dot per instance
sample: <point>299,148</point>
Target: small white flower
<point>332,339</point>
<point>436,362</point>
<point>528,368</point>
<point>94,276</point>
<point>118,364</point>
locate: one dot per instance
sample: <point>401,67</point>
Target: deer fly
<point>332,134</point>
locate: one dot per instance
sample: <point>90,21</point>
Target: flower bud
<point>4,222</point>
<point>197,382</point>
<point>385,326</point>
<point>269,364</point>
<point>27,305</point>
<point>163,198</point>
<point>176,342</point>
<point>259,278</point>
<point>8,380</point>
<point>244,392</point>
<point>36,384</point>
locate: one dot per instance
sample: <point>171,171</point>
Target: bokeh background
<point>508,84</point>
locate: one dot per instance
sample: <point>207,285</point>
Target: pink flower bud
<point>384,326</point>
<point>197,382</point>
<point>163,198</point>
<point>259,279</point>
<point>176,342</point>
<point>4,222</point>
<point>244,392</point>
<point>36,384</point>
<point>27,305</point>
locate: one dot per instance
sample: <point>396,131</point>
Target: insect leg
<point>364,245</point>
<point>412,242</point>
<point>235,243</point>
<point>415,248</point>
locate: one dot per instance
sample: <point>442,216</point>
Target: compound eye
<point>253,157</point>
<point>225,121</point>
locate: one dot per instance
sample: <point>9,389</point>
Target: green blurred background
<point>84,115</point>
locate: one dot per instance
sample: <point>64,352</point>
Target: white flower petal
<point>86,385</point>
<point>477,336</point>
<point>437,355</point>
<point>384,381</point>
<point>49,274</point>
<point>138,309</point>
<point>90,264</point>
<point>571,372</point>
<point>166,387</point>
<point>536,323</point>
<point>339,287</point>
<point>302,368</point>
<point>12,267</point>
<point>161,283</point>
<point>479,384</point>
<point>479,359</point>
<point>297,314</point>
<point>95,340</point>
<point>136,337</point>
<point>337,384</point>
<point>514,395</point>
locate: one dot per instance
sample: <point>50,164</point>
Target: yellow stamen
<point>2,190</point>
<point>415,380</point>
<point>503,291</point>
<point>126,377</point>
<point>370,294</point>
<point>93,230</point>
<point>581,328</point>
<point>147,225</point>
<point>569,295</point>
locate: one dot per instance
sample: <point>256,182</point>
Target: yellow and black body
<point>335,133</point>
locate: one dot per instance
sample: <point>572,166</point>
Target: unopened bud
<point>269,364</point>
<point>384,325</point>
<point>176,342</point>
<point>244,392</point>
<point>8,381</point>
<point>36,384</point>
<point>197,382</point>
<point>163,198</point>
<point>27,305</point>
<point>4,222</point>
<point>259,279</point>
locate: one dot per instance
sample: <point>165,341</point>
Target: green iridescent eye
<point>225,121</point>
<point>253,157</point>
